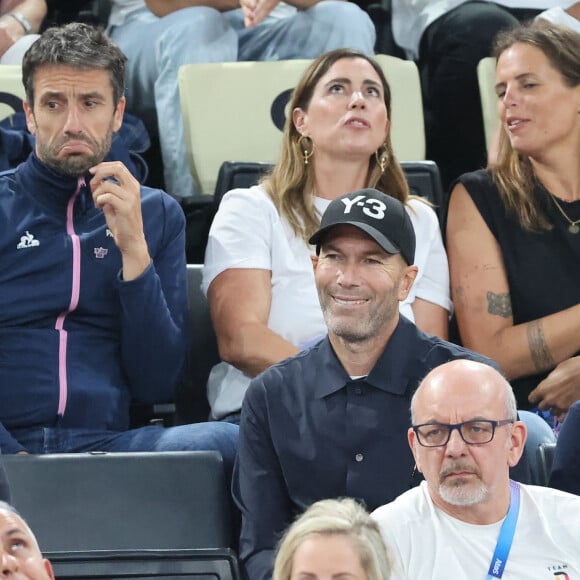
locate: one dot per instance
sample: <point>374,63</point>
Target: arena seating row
<point>230,120</point>
<point>138,515</point>
<point>150,513</point>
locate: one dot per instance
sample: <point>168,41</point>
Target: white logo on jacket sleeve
<point>100,253</point>
<point>374,208</point>
<point>27,241</point>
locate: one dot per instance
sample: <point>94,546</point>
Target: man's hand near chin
<point>118,194</point>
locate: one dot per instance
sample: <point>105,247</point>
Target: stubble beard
<point>353,330</point>
<point>74,165</point>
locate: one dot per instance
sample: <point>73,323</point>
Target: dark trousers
<point>450,50</point>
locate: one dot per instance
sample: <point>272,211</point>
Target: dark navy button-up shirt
<point>309,431</point>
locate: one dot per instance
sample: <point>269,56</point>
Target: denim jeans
<point>214,436</point>
<point>157,47</point>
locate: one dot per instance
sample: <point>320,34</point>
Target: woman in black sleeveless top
<point>513,232</point>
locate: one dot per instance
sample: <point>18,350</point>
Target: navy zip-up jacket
<point>77,343</point>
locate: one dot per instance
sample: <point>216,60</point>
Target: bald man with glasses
<point>468,519</point>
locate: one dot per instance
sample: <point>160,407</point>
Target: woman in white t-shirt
<point>258,274</point>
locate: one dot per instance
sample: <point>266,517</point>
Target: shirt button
<point>359,457</point>
<point>358,390</point>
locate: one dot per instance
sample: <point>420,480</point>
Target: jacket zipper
<point>74,300</point>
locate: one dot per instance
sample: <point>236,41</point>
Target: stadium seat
<point>144,564</point>
<point>123,501</point>
<point>424,180</point>
<point>545,454</point>
<point>11,90</point>
<point>407,123</point>
<point>234,174</point>
<point>191,400</point>
<point>486,81</point>
<point>236,110</point>
<point>539,435</point>
<point>422,176</point>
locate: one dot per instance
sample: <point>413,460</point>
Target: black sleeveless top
<point>543,269</point>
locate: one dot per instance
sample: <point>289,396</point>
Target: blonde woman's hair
<point>336,517</point>
<point>513,172</point>
<point>291,182</point>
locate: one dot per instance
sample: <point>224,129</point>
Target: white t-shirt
<point>561,17</point>
<point>425,542</point>
<point>412,17</point>
<point>247,232</point>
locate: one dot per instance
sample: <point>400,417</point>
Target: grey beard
<point>463,495</point>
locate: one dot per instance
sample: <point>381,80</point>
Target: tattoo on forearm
<point>499,304</point>
<point>541,355</point>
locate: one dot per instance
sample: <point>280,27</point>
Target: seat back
<point>237,110</point>
<point>234,110</point>
<point>422,176</point>
<point>217,564</point>
<point>545,457</point>
<point>407,122</point>
<point>191,400</point>
<point>486,81</point>
<point>11,90</point>
<point>424,180</point>
<point>238,174</point>
<point>118,501</point>
<point>539,433</point>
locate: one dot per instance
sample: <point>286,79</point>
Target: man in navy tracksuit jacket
<point>93,301</point>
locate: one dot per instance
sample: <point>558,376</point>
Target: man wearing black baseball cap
<point>332,421</point>
<point>381,217</point>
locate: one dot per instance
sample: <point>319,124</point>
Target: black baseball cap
<point>380,216</point>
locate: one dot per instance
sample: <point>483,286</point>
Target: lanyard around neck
<point>506,534</point>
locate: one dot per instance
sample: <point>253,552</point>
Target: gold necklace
<point>573,228</point>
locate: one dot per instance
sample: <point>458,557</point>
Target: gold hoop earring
<point>382,157</point>
<point>307,147</point>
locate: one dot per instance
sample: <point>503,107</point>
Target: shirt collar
<point>391,373</point>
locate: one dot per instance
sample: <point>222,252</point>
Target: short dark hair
<point>76,45</point>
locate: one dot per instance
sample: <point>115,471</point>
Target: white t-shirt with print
<point>425,542</point>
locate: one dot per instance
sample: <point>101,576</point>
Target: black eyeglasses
<point>476,432</point>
